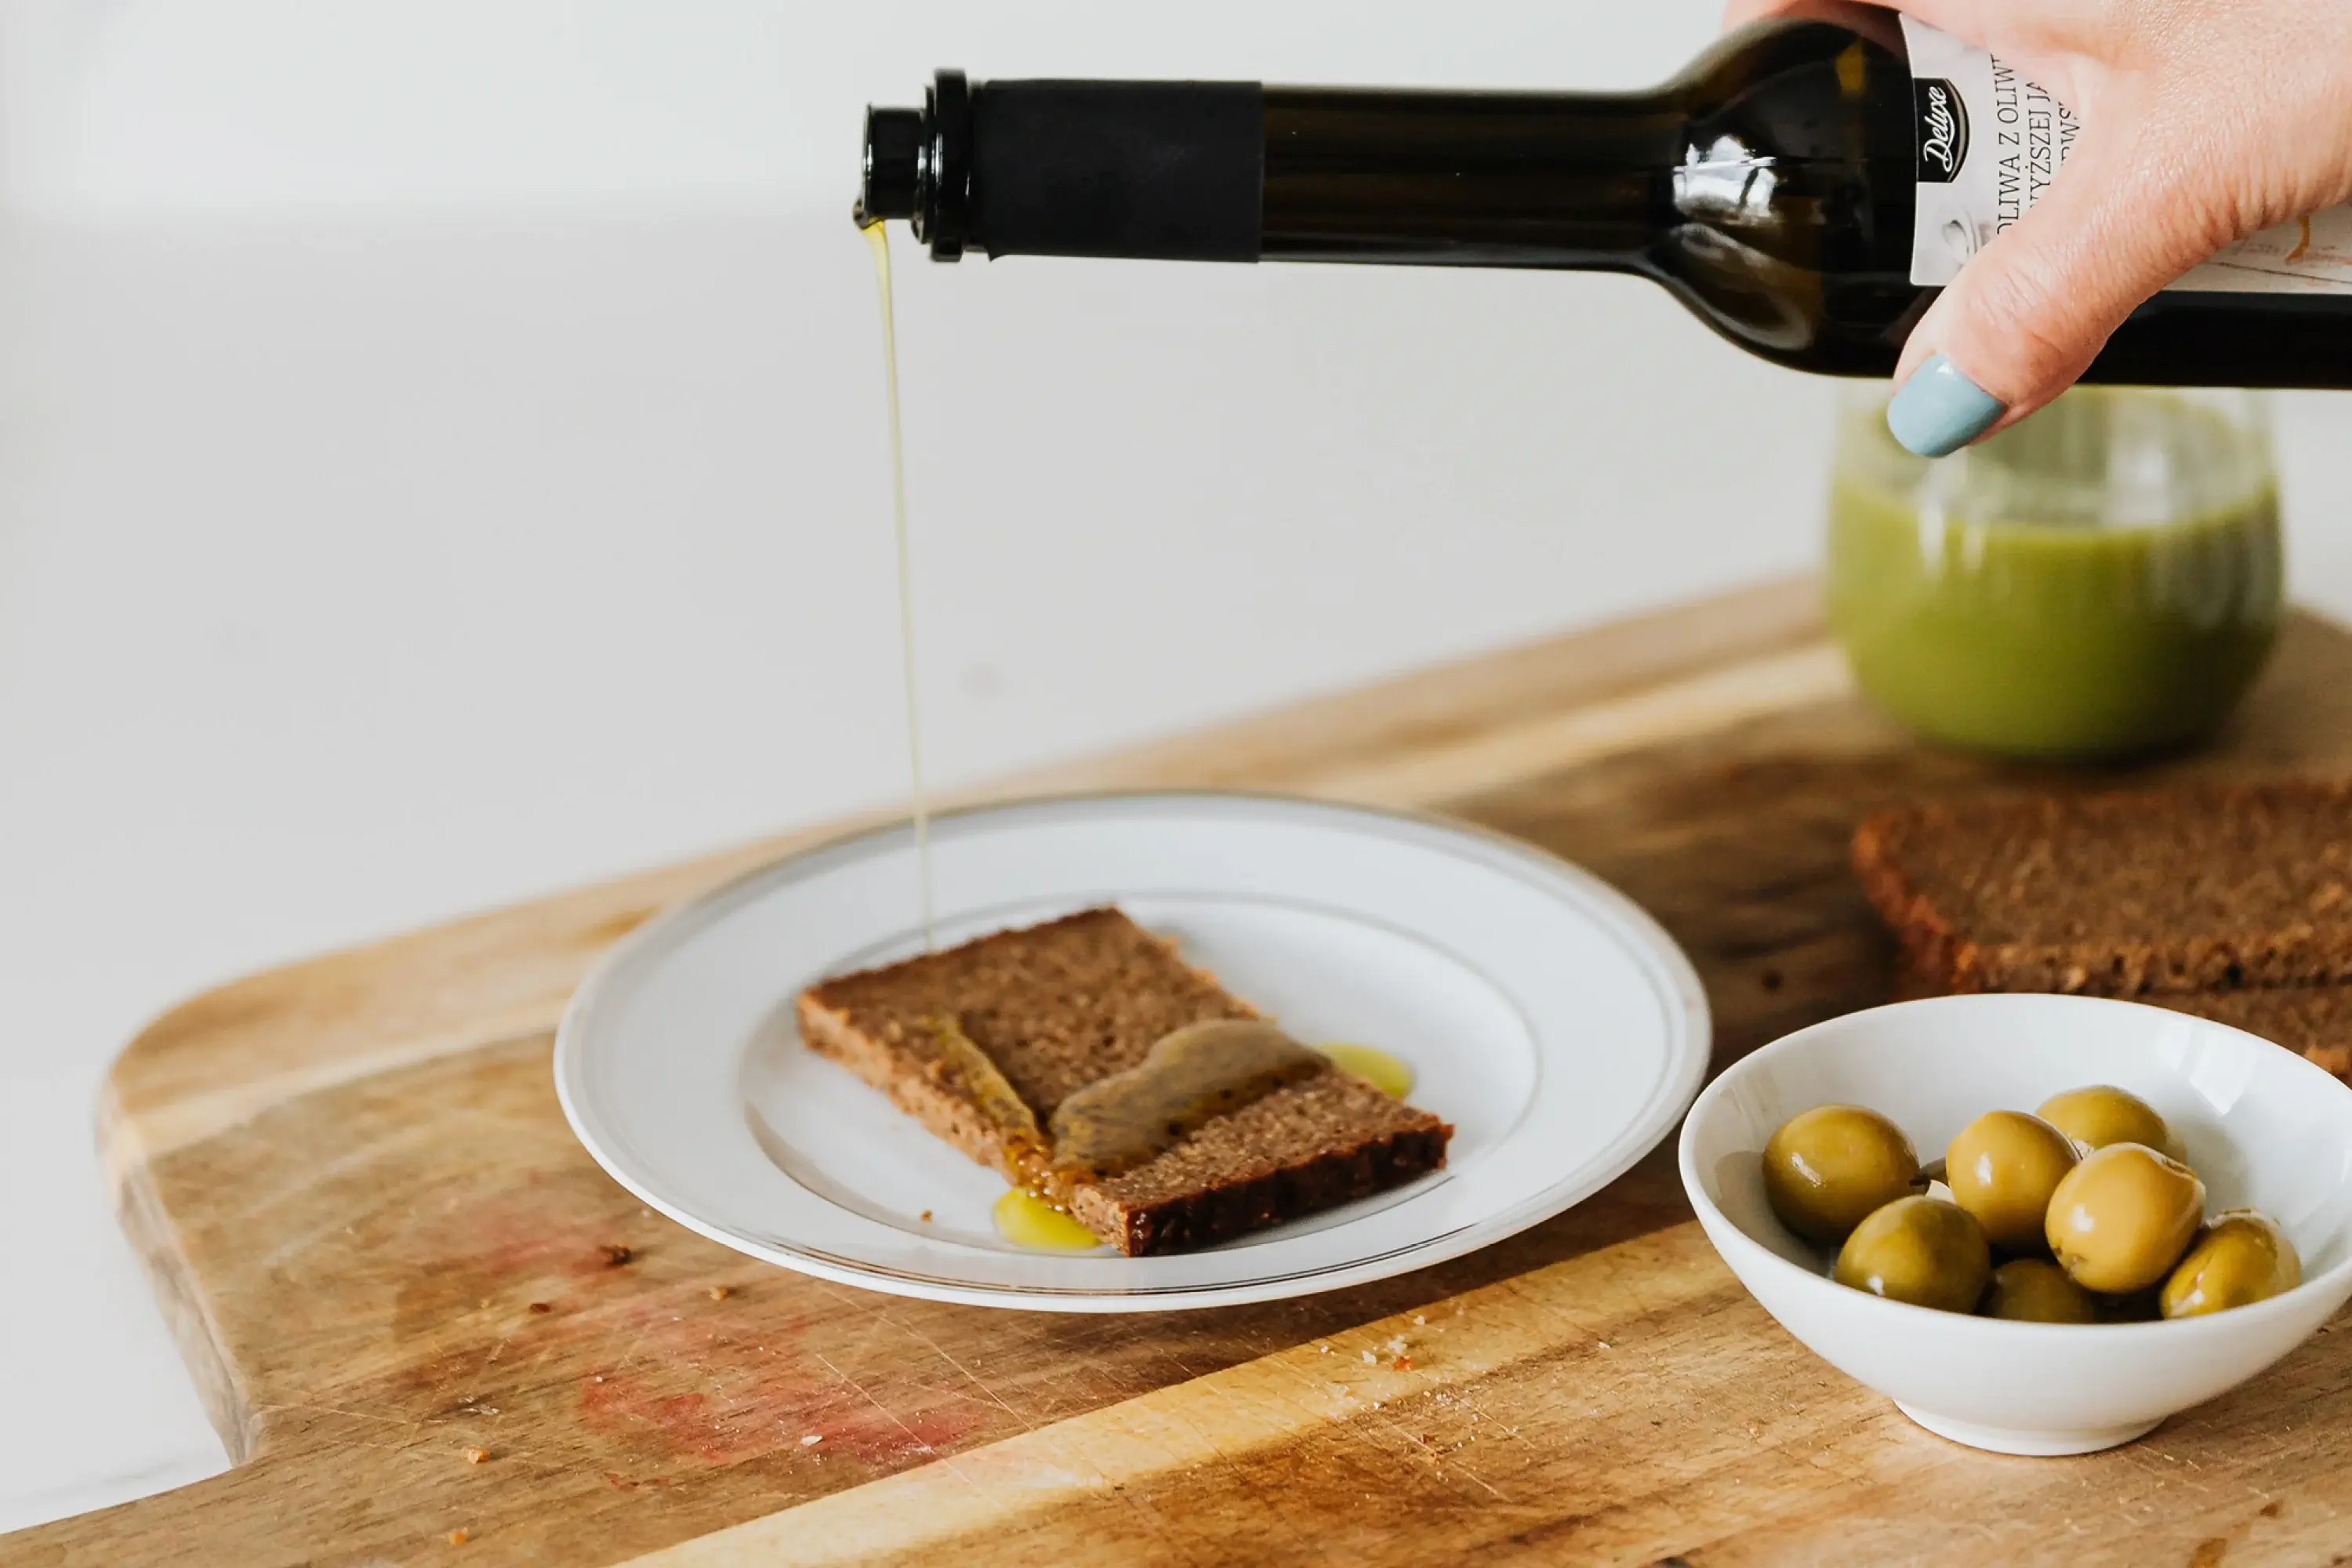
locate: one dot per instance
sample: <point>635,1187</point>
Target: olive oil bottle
<point>1803,188</point>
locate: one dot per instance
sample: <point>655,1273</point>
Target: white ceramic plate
<point>1546,1016</point>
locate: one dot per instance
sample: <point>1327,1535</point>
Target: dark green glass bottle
<point>1771,188</point>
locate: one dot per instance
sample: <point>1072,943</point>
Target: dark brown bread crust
<point>1058,1005</point>
<point>2199,889</point>
<point>1244,1204</point>
<point>1307,1146</point>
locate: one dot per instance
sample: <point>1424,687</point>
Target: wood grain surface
<point>431,1330</point>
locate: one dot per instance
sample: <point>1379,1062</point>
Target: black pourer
<point>917,166</point>
<point>1169,169</point>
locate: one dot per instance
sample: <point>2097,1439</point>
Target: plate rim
<point>1689,1018</point>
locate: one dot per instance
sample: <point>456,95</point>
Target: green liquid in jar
<point>2100,580</point>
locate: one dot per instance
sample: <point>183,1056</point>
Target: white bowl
<point>2263,1126</point>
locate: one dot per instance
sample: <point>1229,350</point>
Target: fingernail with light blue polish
<point>1938,410</point>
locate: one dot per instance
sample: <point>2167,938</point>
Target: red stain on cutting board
<point>775,1401</point>
<point>537,1295</point>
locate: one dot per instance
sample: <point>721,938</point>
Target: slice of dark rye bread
<point>1060,1006</point>
<point>2198,888</point>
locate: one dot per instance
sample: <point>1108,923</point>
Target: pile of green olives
<point>2080,1213</point>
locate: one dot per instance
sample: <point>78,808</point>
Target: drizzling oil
<point>878,240</point>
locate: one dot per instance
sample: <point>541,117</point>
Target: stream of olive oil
<point>1022,1216</point>
<point>878,240</point>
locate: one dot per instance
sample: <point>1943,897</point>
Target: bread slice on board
<point>1057,1006</point>
<point>2201,888</point>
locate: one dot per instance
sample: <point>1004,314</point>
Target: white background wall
<point>441,458</point>
<point>135,108</point>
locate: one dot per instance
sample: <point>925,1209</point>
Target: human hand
<point>2203,121</point>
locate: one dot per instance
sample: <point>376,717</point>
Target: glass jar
<point>2103,579</point>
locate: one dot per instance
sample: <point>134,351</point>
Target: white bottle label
<point>1991,142</point>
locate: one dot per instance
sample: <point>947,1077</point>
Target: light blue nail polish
<point>1938,410</point>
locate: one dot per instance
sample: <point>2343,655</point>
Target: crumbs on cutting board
<point>1397,1352</point>
<point>474,1456</point>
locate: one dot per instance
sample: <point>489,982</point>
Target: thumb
<point>2029,311</point>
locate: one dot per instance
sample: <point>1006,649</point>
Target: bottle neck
<point>1487,179</point>
<point>1234,171</point>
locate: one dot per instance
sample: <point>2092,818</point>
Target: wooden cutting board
<point>416,1309</point>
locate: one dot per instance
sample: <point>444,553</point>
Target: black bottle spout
<point>917,166</point>
<point>891,182</point>
<point>1169,169</point>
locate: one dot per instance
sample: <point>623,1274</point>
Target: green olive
<point>2003,1169</point>
<point>2122,1217</point>
<point>2242,1258</point>
<point>2104,1114</point>
<point>2036,1290</point>
<point>1917,1249</point>
<point>1826,1169</point>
